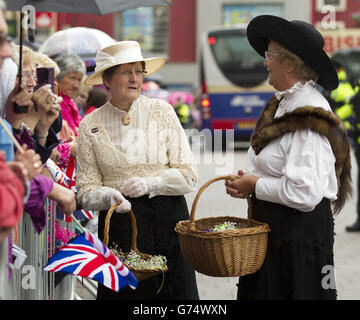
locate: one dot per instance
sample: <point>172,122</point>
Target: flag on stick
<point>87,256</point>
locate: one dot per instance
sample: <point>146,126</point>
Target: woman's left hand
<point>49,107</point>
<point>135,187</point>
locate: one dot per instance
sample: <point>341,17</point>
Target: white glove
<point>112,196</point>
<point>136,187</point>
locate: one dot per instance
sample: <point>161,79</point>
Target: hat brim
<point>152,65</point>
<point>263,28</point>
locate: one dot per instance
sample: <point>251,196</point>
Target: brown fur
<point>316,119</point>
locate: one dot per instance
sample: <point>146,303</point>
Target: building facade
<point>175,31</point>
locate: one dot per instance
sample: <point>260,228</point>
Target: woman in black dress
<point>298,165</point>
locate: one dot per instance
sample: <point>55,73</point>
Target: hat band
<point>104,60</point>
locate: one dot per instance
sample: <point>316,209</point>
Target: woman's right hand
<point>23,99</point>
<point>64,198</point>
<point>73,149</point>
<point>242,186</point>
<point>30,160</point>
<point>112,196</point>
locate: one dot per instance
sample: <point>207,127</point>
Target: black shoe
<point>355,227</point>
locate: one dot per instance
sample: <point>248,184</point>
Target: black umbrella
<point>99,7</point>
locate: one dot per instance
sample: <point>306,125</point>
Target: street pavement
<point>215,202</point>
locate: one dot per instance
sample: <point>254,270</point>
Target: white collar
<point>131,109</point>
<point>296,87</point>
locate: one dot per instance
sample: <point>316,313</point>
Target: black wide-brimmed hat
<point>299,37</point>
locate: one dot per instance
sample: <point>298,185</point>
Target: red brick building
<point>178,25</point>
<point>339,22</point>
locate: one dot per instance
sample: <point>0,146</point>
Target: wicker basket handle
<point>201,190</point>
<point>107,226</point>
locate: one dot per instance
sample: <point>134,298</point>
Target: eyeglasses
<point>26,75</point>
<point>127,73</point>
<point>270,54</point>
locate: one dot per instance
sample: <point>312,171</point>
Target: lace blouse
<point>153,145</point>
<point>296,169</point>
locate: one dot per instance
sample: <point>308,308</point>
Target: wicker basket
<point>140,274</point>
<point>228,253</point>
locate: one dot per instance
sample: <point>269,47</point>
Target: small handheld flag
<point>81,256</point>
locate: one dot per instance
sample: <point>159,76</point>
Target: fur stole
<point>316,119</point>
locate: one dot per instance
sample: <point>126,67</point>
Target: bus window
<point>236,59</point>
<point>234,84</point>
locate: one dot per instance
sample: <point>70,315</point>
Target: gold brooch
<point>126,119</point>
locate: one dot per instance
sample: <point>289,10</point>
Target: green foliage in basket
<point>136,261</point>
<point>224,226</point>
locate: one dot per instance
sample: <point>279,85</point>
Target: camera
<point>45,76</point>
<point>19,109</point>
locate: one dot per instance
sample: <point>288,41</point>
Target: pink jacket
<point>70,113</point>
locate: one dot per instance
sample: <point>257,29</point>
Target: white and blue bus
<point>234,82</point>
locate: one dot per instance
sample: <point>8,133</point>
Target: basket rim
<point>157,270</point>
<point>134,269</point>
<point>184,229</point>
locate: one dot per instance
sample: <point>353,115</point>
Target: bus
<point>234,83</point>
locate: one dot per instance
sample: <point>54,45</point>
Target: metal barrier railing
<point>30,282</point>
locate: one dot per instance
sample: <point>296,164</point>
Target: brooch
<point>126,119</point>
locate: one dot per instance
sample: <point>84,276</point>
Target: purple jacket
<point>40,187</point>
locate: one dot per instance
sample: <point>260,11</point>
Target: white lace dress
<point>153,145</point>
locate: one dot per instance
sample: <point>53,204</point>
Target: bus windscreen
<point>237,60</point>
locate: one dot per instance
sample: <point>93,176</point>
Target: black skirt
<point>299,262</point>
<point>156,219</point>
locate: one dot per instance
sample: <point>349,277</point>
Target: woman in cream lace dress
<point>133,149</point>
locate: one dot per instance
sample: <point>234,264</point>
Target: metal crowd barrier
<point>30,282</point>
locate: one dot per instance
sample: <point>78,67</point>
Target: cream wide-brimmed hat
<point>121,53</point>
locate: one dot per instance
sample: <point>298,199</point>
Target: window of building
<point>243,13</point>
<point>148,26</point>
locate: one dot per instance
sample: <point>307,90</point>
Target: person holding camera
<point>43,108</point>
<point>33,131</point>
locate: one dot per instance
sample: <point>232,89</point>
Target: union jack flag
<point>83,214</point>
<point>87,256</point>
<point>58,175</point>
<point>62,216</point>
<point>78,214</point>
